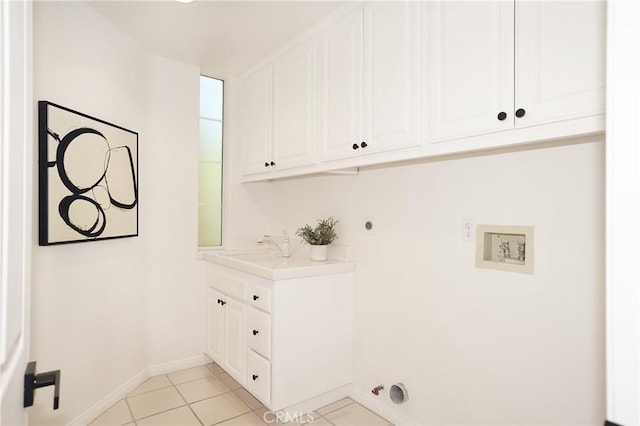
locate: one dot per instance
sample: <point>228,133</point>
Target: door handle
<point>33,381</point>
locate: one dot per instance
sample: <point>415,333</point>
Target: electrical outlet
<point>468,230</point>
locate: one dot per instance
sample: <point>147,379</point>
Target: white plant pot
<point>319,253</point>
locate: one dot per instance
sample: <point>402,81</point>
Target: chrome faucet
<point>283,247</point>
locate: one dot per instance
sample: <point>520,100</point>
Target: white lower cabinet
<point>296,340</point>
<point>234,341</point>
<point>226,343</point>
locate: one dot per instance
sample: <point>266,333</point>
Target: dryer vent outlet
<point>398,393</point>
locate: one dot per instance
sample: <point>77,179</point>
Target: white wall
<point>474,346</point>
<point>104,311</point>
<point>623,212</point>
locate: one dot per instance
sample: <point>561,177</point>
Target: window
<point>210,166</point>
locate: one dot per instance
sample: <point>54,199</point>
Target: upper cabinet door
<point>341,87</point>
<point>560,60</point>
<point>295,110</point>
<point>257,126</point>
<point>392,52</point>
<point>471,81</point>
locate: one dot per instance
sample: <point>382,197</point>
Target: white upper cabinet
<point>395,78</point>
<point>478,85</point>
<point>341,86</point>
<point>369,80</point>
<point>391,74</point>
<point>560,66</point>
<point>295,111</point>
<point>257,123</point>
<point>470,68</point>
<point>279,108</point>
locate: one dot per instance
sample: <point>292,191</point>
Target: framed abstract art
<point>87,177</point>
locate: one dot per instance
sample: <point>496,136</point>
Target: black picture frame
<point>87,177</point>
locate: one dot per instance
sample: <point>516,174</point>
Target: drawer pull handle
<point>254,377</point>
<point>255,332</point>
<point>256,297</point>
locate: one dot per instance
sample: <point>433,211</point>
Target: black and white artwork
<point>88,177</point>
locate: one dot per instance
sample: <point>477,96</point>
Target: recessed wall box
<point>508,248</point>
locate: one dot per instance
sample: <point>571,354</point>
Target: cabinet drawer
<point>260,297</point>
<point>259,377</point>
<point>259,332</point>
<point>227,283</point>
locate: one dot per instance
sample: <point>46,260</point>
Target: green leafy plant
<point>323,234</point>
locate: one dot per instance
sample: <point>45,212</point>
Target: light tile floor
<point>206,395</point>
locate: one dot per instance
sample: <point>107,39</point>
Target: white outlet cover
<point>468,230</point>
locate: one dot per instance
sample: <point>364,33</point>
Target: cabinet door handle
<point>520,112</point>
<point>502,116</point>
<point>254,377</point>
<point>266,164</point>
<point>222,302</point>
<point>355,146</point>
<point>256,297</point>
<point>363,145</point>
<point>219,301</point>
<point>272,164</point>
<point>255,332</point>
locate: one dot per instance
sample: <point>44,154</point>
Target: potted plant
<point>319,237</point>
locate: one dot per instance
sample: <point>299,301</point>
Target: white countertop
<point>272,266</point>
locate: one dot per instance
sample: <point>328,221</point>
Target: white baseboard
<point>375,404</point>
<point>107,402</point>
<point>317,401</point>
<point>181,364</point>
<point>361,397</point>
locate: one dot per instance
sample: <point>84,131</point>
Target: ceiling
<point>223,38</point>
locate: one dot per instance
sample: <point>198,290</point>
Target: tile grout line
<point>234,391</point>
<point>234,417</point>
<point>126,402</point>
<point>333,411</point>
<point>190,408</point>
<point>164,411</point>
